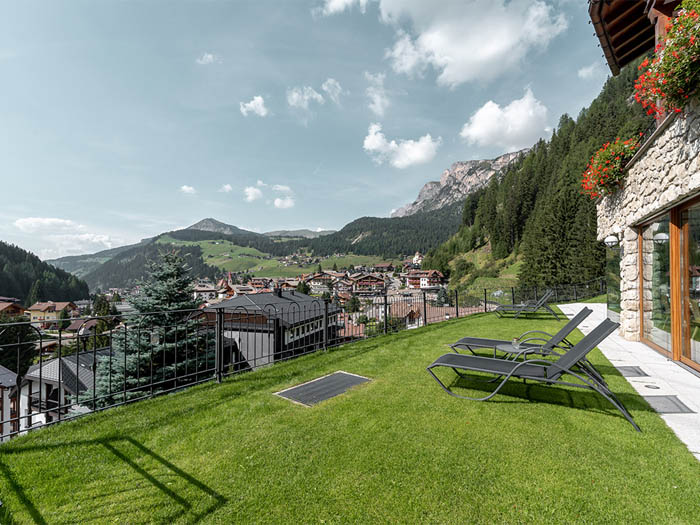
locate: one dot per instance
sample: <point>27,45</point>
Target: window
<point>656,283</point>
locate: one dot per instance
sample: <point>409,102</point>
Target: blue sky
<point>123,119</point>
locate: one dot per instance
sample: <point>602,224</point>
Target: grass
<point>603,298</point>
<point>233,258</point>
<point>397,449</point>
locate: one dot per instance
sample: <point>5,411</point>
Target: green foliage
<point>160,344</point>
<point>536,208</point>
<point>17,344</point>
<point>353,305</point>
<point>303,287</point>
<point>25,276</point>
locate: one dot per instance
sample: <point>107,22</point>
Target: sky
<point>122,119</point>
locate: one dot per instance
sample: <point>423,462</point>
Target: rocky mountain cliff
<point>212,225</point>
<point>456,182</point>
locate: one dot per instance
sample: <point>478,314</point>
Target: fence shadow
<point>133,454</point>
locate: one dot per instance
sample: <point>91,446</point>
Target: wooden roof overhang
<point>626,28</point>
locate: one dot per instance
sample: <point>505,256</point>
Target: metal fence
<point>58,370</point>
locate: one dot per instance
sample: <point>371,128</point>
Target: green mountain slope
<point>25,276</point>
<point>535,209</point>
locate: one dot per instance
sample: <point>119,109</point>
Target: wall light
<point>611,241</point>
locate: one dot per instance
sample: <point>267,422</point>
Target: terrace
<point>394,449</point>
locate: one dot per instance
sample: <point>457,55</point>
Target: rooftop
<point>395,449</point>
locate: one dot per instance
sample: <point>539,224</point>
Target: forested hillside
<point>391,237</point>
<point>128,268</point>
<point>536,209</point>
<point>24,276</point>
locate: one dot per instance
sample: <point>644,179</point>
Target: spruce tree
<point>165,345</point>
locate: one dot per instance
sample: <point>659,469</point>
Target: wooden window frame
<point>676,230</point>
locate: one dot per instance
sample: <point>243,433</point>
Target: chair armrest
<point>535,332</point>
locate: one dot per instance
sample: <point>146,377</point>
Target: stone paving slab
<point>666,378</point>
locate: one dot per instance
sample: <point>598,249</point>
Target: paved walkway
<point>665,377</point>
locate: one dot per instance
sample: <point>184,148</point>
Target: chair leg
<point>486,398</point>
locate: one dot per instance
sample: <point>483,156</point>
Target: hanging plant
<point>672,76</point>
<point>605,173</point>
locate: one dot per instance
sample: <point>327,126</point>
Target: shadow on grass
<point>515,392</point>
<point>117,446</point>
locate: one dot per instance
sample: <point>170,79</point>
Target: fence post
<point>486,308</point>
<point>575,294</point>
<point>457,303</point>
<point>601,285</point>
<point>536,293</point>
<point>386,320</point>
<point>556,294</point>
<point>425,310</point>
<point>325,325</point>
<point>512,295</point>
<point>219,353</point>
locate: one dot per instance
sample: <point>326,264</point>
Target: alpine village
<point>518,344</point>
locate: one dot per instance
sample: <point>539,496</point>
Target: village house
<point>368,284</point>
<point>652,225</point>
<point>205,292</point>
<point>384,267</point>
<point>8,309</point>
<point>267,327</point>
<point>425,280</point>
<point>46,315</point>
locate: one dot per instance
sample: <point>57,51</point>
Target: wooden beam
<point>636,11</point>
<point>636,51</point>
<point>641,27</point>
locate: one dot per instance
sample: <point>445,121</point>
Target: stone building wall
<point>665,172</point>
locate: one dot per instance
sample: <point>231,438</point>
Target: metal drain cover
<point>668,405</point>
<point>323,388</point>
<point>632,371</point>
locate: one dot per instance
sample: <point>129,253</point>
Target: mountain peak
<point>456,182</point>
<point>212,225</point>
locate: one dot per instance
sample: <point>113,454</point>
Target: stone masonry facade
<point>665,172</point>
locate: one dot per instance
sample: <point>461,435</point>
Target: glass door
<point>690,283</point>
<point>656,284</point>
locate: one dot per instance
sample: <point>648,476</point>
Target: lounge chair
<point>572,363</point>
<point>529,307</point>
<point>531,342</point>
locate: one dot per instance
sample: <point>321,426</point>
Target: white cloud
<point>189,190</point>
<point>207,58</point>
<point>59,237</point>
<point>226,188</point>
<point>45,224</point>
<point>515,126</point>
<point>262,184</point>
<point>255,106</point>
<point>333,89</point>
<point>332,7</point>
<point>282,187</point>
<point>462,40</point>
<point>378,97</point>
<point>588,71</point>
<point>252,193</point>
<point>401,154</point>
<point>301,97</point>
<point>284,203</point>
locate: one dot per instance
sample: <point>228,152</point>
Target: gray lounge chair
<point>531,342</point>
<point>529,307</point>
<point>572,363</point>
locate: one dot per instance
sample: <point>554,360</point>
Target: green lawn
<point>395,450</point>
<point>233,258</point>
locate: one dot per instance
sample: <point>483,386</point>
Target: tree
<point>442,297</point>
<point>319,269</point>
<point>335,267</point>
<point>353,304</point>
<point>303,287</point>
<point>17,344</point>
<point>165,345</point>
<point>64,319</point>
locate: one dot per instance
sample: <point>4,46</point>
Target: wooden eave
<point>624,28</point>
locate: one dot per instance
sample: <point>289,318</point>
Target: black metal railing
<point>62,374</point>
